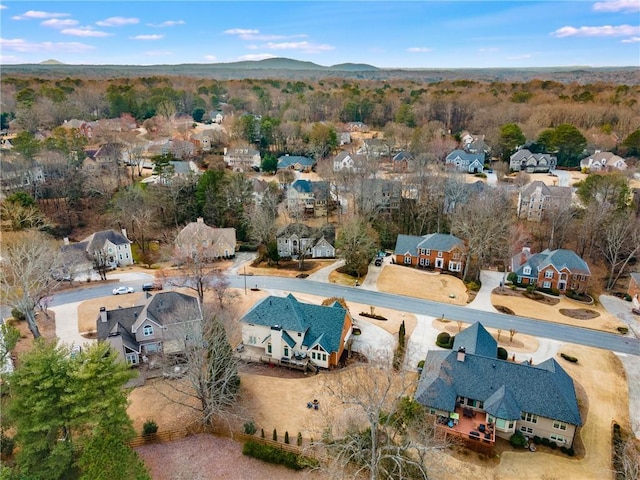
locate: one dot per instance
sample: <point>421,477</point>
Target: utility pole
<point>245,279</point>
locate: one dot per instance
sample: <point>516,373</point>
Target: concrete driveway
<point>374,341</point>
<point>67,325</point>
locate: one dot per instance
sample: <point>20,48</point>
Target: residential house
<point>476,396</point>
<point>287,331</point>
<point>537,199</point>
<point>113,248</point>
<point>466,161</point>
<point>375,148</point>
<point>163,324</point>
<point>634,285</point>
<point>201,239</point>
<point>349,161</point>
<point>295,162</point>
<point>559,270</point>
<point>310,198</point>
<point>400,161</point>
<point>84,128</point>
<point>177,169</point>
<point>524,160</point>
<point>473,143</point>
<point>204,139</point>
<point>441,251</point>
<point>216,116</point>
<point>111,153</point>
<point>298,239</point>
<point>20,175</point>
<point>5,144</point>
<point>344,138</point>
<point>600,161</point>
<point>357,127</point>
<point>379,195</point>
<point>242,159</point>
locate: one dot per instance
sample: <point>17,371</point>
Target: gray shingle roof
<point>286,161</point>
<point>303,186</point>
<point>120,318</point>
<point>560,259</point>
<point>444,242</point>
<point>170,307</point>
<point>318,323</point>
<point>477,341</point>
<point>545,389</point>
<point>97,240</point>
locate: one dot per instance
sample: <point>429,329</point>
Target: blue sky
<point>415,34</point>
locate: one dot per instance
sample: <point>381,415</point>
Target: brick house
<point>560,270</point>
<point>536,199</point>
<point>441,251</point>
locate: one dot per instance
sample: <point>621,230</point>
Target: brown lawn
<point>421,284</point>
<point>288,268</point>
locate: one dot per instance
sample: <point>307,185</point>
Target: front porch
<point>250,354</point>
<point>468,425</point>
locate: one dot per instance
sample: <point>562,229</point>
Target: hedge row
<point>270,454</point>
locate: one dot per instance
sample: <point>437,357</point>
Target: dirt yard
<point>422,284</point>
<point>288,269</point>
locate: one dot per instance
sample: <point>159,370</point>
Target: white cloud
<point>617,6</point>
<point>603,31</point>
<point>4,59</point>
<point>211,58</point>
<point>301,46</point>
<point>117,21</point>
<point>256,56</point>
<point>84,32</point>
<point>631,40</point>
<point>158,53</point>
<point>241,31</point>
<point>20,45</point>
<point>36,14</point>
<point>59,23</point>
<point>520,57</point>
<point>168,23</point>
<point>147,37</point>
<point>418,49</point>
<point>489,50</point>
<point>2,7</point>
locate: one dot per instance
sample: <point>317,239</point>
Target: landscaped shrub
<point>569,358</point>
<point>286,437</point>
<point>17,314</point>
<point>627,297</point>
<point>149,427</point>
<point>473,286</point>
<point>502,353</point>
<point>536,439</point>
<point>271,454</point>
<point>262,433</point>
<point>512,277</point>
<point>623,330</point>
<point>421,364</point>
<point>531,288</point>
<point>517,440</point>
<point>299,440</point>
<point>545,441</point>
<point>553,444</point>
<point>6,445</point>
<point>275,435</point>
<point>443,339</point>
<point>250,428</point>
<point>571,452</point>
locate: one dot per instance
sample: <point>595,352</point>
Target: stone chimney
<point>103,314</point>
<point>124,232</point>
<point>200,220</point>
<point>461,354</point>
<point>66,240</point>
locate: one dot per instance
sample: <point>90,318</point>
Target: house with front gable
<point>198,238</point>
<point>559,270</point>
<point>375,148</point>
<point>440,251</point>
<point>537,199</point>
<point>346,161</point>
<point>400,161</point>
<point>298,239</point>
<point>476,396</point>
<point>602,161</point>
<point>112,247</point>
<point>162,324</point>
<point>298,163</point>
<point>284,330</point>
<point>18,175</point>
<point>465,161</point>
<point>525,161</point>
<point>242,159</point>
<point>310,198</point>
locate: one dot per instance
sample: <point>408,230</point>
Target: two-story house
<point>379,195</point>
<point>466,161</point>
<point>296,162</point>
<point>537,199</point>
<point>600,161</point>
<point>113,248</point>
<point>559,270</point>
<point>163,323</point>
<point>476,396</point>
<point>440,251</point>
<point>375,148</point>
<point>346,161</point>
<point>311,198</point>
<point>197,238</point>
<point>284,330</point>
<point>242,159</point>
<point>298,239</point>
<point>525,161</point>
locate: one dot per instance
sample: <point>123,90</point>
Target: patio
<point>467,424</point>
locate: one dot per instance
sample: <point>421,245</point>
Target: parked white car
<point>119,290</point>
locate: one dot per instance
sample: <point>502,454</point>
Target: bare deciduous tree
<point>619,244</point>
<point>28,262</point>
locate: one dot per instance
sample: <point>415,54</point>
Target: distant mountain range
<point>290,69</point>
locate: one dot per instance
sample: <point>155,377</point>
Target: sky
<point>386,34</point>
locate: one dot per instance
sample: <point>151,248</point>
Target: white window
<point>286,351</point>
<point>407,260</point>
<point>526,429</point>
<point>548,274</point>
<point>559,425</point>
<point>557,438</point>
<point>268,348</point>
<point>252,340</point>
<point>132,358</point>
<point>440,254</point>
<point>427,251</point>
<point>424,262</point>
<point>546,284</point>
<point>529,417</point>
<point>324,357</point>
<point>526,270</point>
<point>147,330</point>
<point>454,266</point>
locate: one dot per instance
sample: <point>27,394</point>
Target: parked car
<point>119,290</point>
<point>147,287</point>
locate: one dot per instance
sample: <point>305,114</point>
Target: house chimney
<point>66,240</point>
<point>200,220</point>
<point>124,233</point>
<point>461,354</point>
<point>526,249</point>
<point>103,314</point>
<point>225,151</point>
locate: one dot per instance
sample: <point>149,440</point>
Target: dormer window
<point>526,270</point>
<point>147,330</point>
